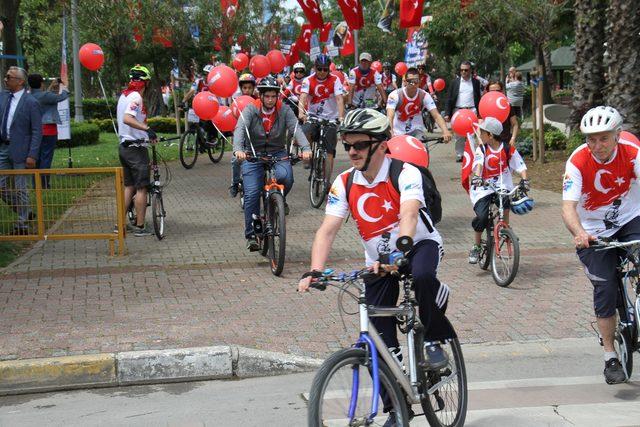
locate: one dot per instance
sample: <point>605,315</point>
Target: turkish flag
<point>311,10</point>
<point>465,173</point>
<point>410,13</point>
<point>303,42</point>
<point>348,47</point>
<point>162,37</point>
<point>229,7</point>
<point>352,12</point>
<point>410,32</point>
<point>293,56</point>
<point>324,32</point>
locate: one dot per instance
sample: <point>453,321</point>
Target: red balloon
<point>205,104</point>
<point>332,67</point>
<point>494,104</point>
<point>239,104</point>
<point>401,68</point>
<point>277,61</point>
<point>222,81</point>
<point>439,84</point>
<point>224,120</point>
<point>408,149</point>
<point>629,137</point>
<point>260,66</point>
<point>240,61</point>
<point>376,65</point>
<point>462,122</point>
<point>91,56</point>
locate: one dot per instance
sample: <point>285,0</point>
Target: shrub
<point>525,145</point>
<point>82,134</point>
<point>164,124</point>
<point>575,140</point>
<point>555,140</point>
<point>96,108</point>
<point>105,125</point>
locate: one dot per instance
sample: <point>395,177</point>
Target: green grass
<point>103,154</point>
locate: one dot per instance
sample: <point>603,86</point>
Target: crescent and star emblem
<point>321,89</point>
<point>489,157</point>
<point>502,103</point>
<point>597,182</point>
<point>360,205</point>
<point>414,143</point>
<point>467,160</point>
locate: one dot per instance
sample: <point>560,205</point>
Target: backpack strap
<point>394,174</point>
<point>507,153</point>
<point>347,188</point>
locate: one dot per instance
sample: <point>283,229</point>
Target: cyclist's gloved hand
<point>524,184</point>
<point>151,134</point>
<point>390,258</point>
<point>477,181</point>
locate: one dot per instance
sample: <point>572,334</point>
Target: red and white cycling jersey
<point>293,89</point>
<point>364,85</point>
<point>425,83</point>
<point>408,111</point>
<point>375,207</point>
<point>322,95</point>
<point>608,194</point>
<point>199,85</point>
<point>494,168</point>
<point>387,81</point>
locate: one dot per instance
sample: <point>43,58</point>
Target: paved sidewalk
<point>200,287</point>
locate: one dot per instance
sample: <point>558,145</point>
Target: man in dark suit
<point>20,137</point>
<point>464,92</point>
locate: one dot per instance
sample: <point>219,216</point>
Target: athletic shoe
<point>233,190</point>
<point>286,208</point>
<point>613,372</point>
<point>141,231</point>
<point>474,254</point>
<point>252,244</point>
<point>436,357</point>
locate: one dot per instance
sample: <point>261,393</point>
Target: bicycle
<point>154,194</point>
<point>370,368</point>
<point>318,179</point>
<point>499,245</point>
<point>270,226</point>
<point>628,325</point>
<point>194,141</point>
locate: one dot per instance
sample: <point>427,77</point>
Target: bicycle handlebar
<point>499,190</point>
<point>319,120</point>
<point>609,243</point>
<point>267,158</point>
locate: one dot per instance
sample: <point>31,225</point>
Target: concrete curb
<point>145,367</point>
<point>220,362</point>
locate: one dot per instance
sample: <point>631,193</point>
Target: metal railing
<point>58,204</point>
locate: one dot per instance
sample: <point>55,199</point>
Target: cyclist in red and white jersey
<point>405,106</point>
<point>601,198</point>
<point>322,96</point>
<point>388,79</point>
<point>425,79</point>
<point>291,93</point>
<point>363,83</point>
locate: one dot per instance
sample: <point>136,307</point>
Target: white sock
<point>608,355</point>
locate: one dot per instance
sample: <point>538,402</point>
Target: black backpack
<point>432,197</point>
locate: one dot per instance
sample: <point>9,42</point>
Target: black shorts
<point>481,208</point>
<point>135,162</point>
<point>312,131</point>
<point>600,268</point>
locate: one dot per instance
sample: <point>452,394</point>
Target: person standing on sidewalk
<point>135,135</point>
<point>48,101</point>
<point>464,94</point>
<point>20,138</point>
<point>515,93</point>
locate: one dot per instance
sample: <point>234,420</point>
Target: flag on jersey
<point>467,162</point>
<point>410,13</point>
<point>352,12</point>
<point>311,10</point>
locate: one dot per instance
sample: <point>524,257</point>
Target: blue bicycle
<point>358,385</point>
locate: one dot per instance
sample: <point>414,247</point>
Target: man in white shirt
<point>464,94</point>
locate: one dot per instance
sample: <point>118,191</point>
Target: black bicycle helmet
<point>268,83</point>
<point>386,65</point>
<point>322,60</point>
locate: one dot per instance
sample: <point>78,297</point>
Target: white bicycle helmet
<point>600,119</point>
<point>207,68</point>
<point>298,66</point>
<point>367,121</point>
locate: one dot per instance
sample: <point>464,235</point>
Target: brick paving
<point>200,287</point>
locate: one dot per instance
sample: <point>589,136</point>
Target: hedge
<point>159,124</point>
<point>96,108</point>
<point>82,134</point>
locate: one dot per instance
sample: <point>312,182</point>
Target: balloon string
<point>104,93</point>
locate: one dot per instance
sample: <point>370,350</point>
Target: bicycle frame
<point>496,211</point>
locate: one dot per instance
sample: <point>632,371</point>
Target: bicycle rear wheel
<point>505,258</point>
<point>317,185</point>
<point>189,148</point>
<point>216,152</point>
<point>486,249</point>
<point>445,393</point>
<point>158,213</point>
<point>344,382</point>
<point>278,238</point>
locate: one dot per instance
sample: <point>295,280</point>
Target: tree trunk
<point>549,77</point>
<point>546,92</point>
<point>588,76</point>
<point>9,16</point>
<point>623,36</point>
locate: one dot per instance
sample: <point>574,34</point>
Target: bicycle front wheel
<point>158,213</point>
<point>341,392</point>
<point>278,238</point>
<point>445,393</point>
<point>216,152</point>
<point>505,258</point>
<point>189,148</point>
<point>317,185</point>
<point>486,249</point>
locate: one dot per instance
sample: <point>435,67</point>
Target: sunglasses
<point>298,71</point>
<point>465,70</point>
<point>358,145</point>
<point>322,69</point>
<point>412,81</point>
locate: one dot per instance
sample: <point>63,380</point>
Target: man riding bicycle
<point>601,198</point>
<point>363,83</point>
<point>382,214</point>
<point>246,87</point>
<point>493,161</point>
<point>324,94</point>
<point>405,106</point>
<point>135,135</point>
<point>425,80</point>
<point>388,79</point>
<point>261,129</point>
<point>291,93</point>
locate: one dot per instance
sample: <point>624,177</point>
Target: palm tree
<point>621,60</point>
<point>588,77</point>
